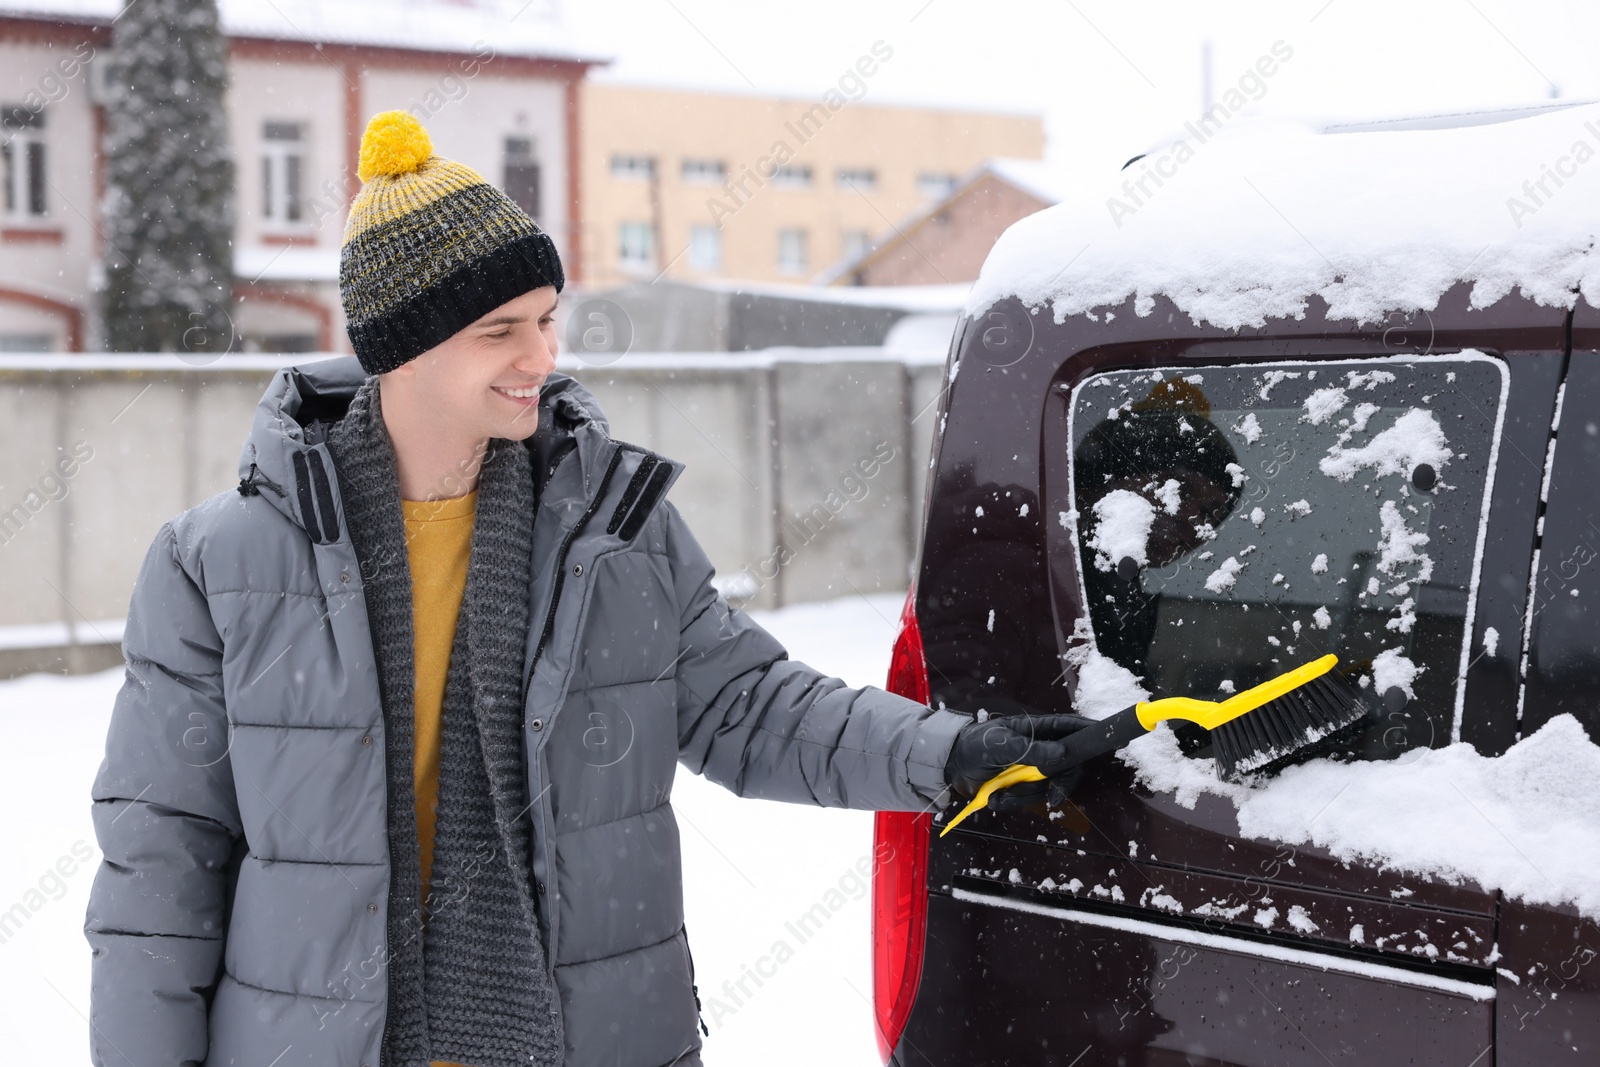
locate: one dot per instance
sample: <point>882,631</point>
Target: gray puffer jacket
<point>239,916</point>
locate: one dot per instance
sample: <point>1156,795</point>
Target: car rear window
<point>1232,522</point>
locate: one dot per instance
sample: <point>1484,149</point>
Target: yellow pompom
<point>394,143</point>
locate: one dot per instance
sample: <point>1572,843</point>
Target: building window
<point>633,168</point>
<point>792,251</point>
<point>856,243</point>
<point>851,178</point>
<point>705,247</point>
<point>26,342</point>
<point>636,246</point>
<point>933,185</point>
<point>283,164</point>
<point>792,177</point>
<point>22,161</point>
<point>704,171</point>
<point>522,174</point>
<point>281,342</point>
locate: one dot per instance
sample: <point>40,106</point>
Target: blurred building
<point>696,186</point>
<point>496,85</point>
<point>946,241</point>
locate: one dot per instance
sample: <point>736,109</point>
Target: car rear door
<point>1141,924</point>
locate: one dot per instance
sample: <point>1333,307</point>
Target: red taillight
<point>908,669</point>
<point>900,875</point>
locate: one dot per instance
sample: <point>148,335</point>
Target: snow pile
<point>1406,618</point>
<point>1526,823</point>
<point>1301,920</point>
<point>1258,218</point>
<point>1369,380</point>
<point>1393,669</point>
<point>1271,379</point>
<point>1123,529</point>
<point>1399,546</point>
<point>1324,404</point>
<point>1225,576</point>
<point>1416,437</point>
<point>1358,421</point>
<point>1169,496</point>
<point>1105,686</point>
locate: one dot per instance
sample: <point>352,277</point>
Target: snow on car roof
<point>1247,222</point>
<point>432,25</point>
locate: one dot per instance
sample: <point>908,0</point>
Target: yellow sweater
<point>438,546</point>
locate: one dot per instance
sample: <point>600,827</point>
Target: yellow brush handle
<point>1017,772</point>
<point>1206,713</point>
<point>1211,715</point>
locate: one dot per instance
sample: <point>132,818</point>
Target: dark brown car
<point>1127,927</point>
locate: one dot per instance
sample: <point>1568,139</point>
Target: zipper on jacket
<point>561,569</point>
<point>692,987</point>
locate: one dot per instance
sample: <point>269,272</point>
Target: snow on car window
<point>1231,528</point>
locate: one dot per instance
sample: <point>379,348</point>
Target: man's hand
<point>1021,735</point>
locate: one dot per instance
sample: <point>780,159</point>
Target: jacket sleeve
<point>763,725</point>
<point>166,819</point>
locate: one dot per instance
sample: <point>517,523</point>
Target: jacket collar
<point>302,396</point>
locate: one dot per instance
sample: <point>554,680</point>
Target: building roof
<point>510,27</point>
<point>259,263</point>
<point>910,298</point>
<point>1033,176</point>
<point>1249,222</point>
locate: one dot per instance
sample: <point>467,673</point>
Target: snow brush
<point>1255,732</point>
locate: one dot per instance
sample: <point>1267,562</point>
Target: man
<point>388,780</point>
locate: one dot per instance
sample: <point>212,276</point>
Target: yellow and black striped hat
<point>430,247</point>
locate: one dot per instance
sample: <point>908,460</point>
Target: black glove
<point>1014,733</point>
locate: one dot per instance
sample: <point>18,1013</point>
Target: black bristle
<point>1302,723</point>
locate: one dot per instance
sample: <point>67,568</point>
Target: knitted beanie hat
<point>430,247</point>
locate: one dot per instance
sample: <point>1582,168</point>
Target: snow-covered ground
<point>751,867</point>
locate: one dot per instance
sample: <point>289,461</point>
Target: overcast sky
<point>1110,77</point>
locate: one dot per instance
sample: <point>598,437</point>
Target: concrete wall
<point>676,317</point>
<point>804,474</point>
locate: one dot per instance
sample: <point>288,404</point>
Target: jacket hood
<point>301,397</point>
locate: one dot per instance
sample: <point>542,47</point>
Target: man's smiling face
<point>484,380</point>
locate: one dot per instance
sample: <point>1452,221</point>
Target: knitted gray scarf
<point>470,985</point>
